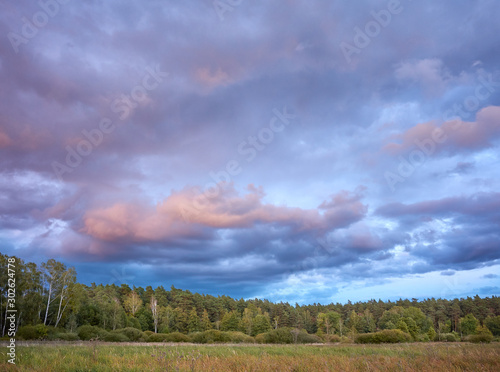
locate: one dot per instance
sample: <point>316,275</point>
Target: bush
<point>53,333</point>
<point>133,322</point>
<point>306,338</point>
<point>483,334</point>
<point>366,338</point>
<point>157,337</point>
<point>211,336</point>
<point>149,333</point>
<point>88,332</point>
<point>276,336</point>
<point>67,336</point>
<point>133,334</point>
<point>260,338</point>
<point>168,337</point>
<point>115,337</point>
<point>385,336</point>
<point>422,338</point>
<point>447,337</point>
<point>239,337</point>
<point>332,338</point>
<point>38,332</point>
<point>177,337</point>
<point>27,333</point>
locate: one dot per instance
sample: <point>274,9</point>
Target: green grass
<point>90,356</point>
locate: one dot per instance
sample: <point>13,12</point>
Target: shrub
<point>447,337</point>
<point>116,337</point>
<point>157,337</point>
<point>149,333</point>
<point>27,333</point>
<point>332,338</point>
<point>239,337</point>
<point>483,334</point>
<point>38,332</point>
<point>133,334</point>
<point>211,336</point>
<point>422,338</point>
<point>385,336</point>
<point>276,336</point>
<point>88,332</point>
<point>261,338</point>
<point>67,336</point>
<point>177,337</point>
<point>133,322</point>
<point>306,338</point>
<point>366,338</point>
<point>392,336</point>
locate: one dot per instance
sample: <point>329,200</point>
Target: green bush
<point>133,334</point>
<point>447,337</point>
<point>149,333</point>
<point>157,337</point>
<point>306,338</point>
<point>261,338</point>
<point>133,322</point>
<point>240,337</point>
<point>277,336</point>
<point>27,333</point>
<point>483,334</point>
<point>422,338</point>
<point>116,337</point>
<point>67,336</point>
<point>177,337</point>
<point>385,336</point>
<point>38,332</point>
<point>366,338</point>
<point>88,332</point>
<point>211,336</point>
<point>332,338</point>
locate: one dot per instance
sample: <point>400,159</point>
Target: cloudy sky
<point>302,151</point>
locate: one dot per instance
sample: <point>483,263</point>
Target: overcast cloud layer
<point>301,151</point>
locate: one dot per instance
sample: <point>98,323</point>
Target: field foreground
<point>92,356</point>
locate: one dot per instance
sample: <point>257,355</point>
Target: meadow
<point>101,356</point>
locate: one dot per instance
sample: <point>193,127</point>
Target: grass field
<point>88,356</point>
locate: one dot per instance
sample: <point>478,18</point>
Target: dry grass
<point>174,357</point>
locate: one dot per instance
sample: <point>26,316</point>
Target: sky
<point>300,151</point>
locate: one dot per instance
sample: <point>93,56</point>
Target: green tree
<point>261,324</point>
<point>468,324</point>
<point>230,321</point>
<point>132,303</point>
<point>402,326</point>
<point>329,322</point>
<point>493,324</point>
<point>194,324</point>
<point>206,324</point>
<point>247,321</point>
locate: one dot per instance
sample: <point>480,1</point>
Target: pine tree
<point>194,324</point>
<point>206,324</point>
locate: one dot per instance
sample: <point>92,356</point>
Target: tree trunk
<point>48,304</point>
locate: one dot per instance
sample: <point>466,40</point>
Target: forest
<point>51,304</point>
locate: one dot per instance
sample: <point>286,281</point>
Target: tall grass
<point>92,356</point>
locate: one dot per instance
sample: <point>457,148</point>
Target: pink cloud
<point>4,140</point>
<point>453,135</point>
<point>186,214</point>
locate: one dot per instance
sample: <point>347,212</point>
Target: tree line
<point>49,294</point>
